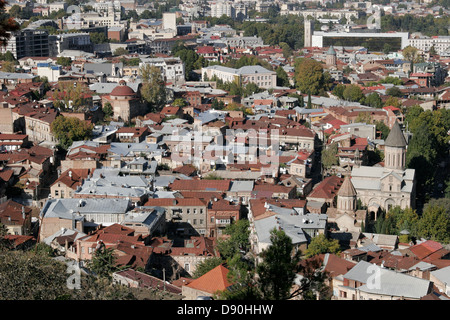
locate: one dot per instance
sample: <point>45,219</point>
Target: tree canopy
<point>153,89</point>
<point>309,76</point>
<point>69,129</point>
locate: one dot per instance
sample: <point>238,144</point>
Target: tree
<point>64,61</point>
<point>8,66</point>
<point>69,129</point>
<point>411,54</point>
<point>403,219</point>
<point>234,251</point>
<point>66,96</point>
<point>393,101</point>
<point>329,156</point>
<point>320,244</point>
<point>31,276</point>
<point>191,59</point>
<point>384,129</point>
<point>282,77</point>
<point>7,25</point>
<point>309,76</point>
<point>103,262</point>
<point>98,37</point>
<point>373,100</point>
<point>421,155</point>
<point>435,223</point>
<point>338,91</point>
<point>206,266</point>
<point>120,51</point>
<point>237,241</point>
<point>394,92</point>
<point>353,93</point>
<point>276,272</point>
<point>107,110</point>
<point>153,89</point>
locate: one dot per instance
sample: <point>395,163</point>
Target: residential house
<point>367,281</point>
<point>288,215</point>
<point>15,217</point>
<point>189,214</point>
<point>221,213</point>
<point>68,182</point>
<point>326,191</point>
<point>146,221</point>
<point>81,214</point>
<point>85,155</point>
<point>132,134</point>
<point>441,279</point>
<point>12,142</point>
<point>193,252</point>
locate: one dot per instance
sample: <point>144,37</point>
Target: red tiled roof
<point>13,210</point>
<point>425,249</point>
<point>212,281</point>
<point>147,281</point>
<point>201,185</point>
<point>179,202</point>
<point>74,181</point>
<point>327,189</point>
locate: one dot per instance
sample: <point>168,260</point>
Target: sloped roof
<point>395,137</point>
<point>347,189</point>
<point>212,281</point>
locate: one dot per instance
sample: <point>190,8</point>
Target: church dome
<point>122,90</point>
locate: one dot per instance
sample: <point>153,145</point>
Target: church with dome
<point>126,103</point>
<point>384,187</point>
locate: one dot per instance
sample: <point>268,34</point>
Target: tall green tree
<point>276,272</point>
<point>153,89</point>
<point>282,77</point>
<point>329,156</point>
<point>103,262</point>
<point>309,76</point>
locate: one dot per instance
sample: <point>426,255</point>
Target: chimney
<point>23,213</point>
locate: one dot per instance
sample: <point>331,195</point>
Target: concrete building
<point>309,30</point>
<point>372,40</point>
<point>172,69</point>
<point>28,43</point>
<point>262,77</point>
<point>169,21</point>
<point>69,41</point>
<point>423,43</point>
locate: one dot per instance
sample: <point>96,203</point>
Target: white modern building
<point>423,43</point>
<point>262,77</point>
<point>172,69</point>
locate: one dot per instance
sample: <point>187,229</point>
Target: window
<point>186,267</point>
<point>195,221</point>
